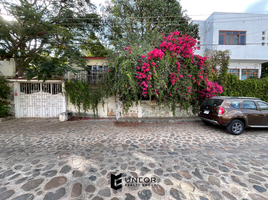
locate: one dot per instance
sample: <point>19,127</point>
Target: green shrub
<point>251,87</point>
<point>84,95</point>
<point>4,93</point>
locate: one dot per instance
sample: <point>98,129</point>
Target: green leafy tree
<point>45,36</point>
<point>93,47</point>
<point>221,59</point>
<point>4,93</point>
<point>139,22</point>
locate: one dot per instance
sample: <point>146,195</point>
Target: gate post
<point>17,99</point>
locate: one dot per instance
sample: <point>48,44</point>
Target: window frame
<point>257,74</point>
<point>224,36</point>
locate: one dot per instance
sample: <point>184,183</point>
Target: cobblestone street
<point>48,159</point>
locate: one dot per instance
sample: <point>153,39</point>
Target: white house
<point>244,34</point>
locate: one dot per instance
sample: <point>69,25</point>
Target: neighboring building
<point>244,34</point>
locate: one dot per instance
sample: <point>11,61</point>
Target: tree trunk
<point>19,70</point>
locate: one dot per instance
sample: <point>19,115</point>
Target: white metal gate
<point>41,99</point>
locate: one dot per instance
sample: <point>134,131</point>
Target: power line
<point>174,16</point>
<point>77,23</point>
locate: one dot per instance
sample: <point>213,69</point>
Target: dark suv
<point>236,113</point>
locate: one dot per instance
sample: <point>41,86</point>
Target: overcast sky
<point>200,10</point>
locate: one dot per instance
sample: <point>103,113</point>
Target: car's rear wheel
<point>206,122</point>
<point>236,127</point>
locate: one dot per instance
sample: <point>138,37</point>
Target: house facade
<point>244,34</point>
<point>96,67</point>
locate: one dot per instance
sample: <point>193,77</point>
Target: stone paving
<point>50,160</point>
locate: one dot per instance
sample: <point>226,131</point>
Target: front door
<point>264,109</point>
<point>254,116</point>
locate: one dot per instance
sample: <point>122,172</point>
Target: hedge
<point>252,87</point>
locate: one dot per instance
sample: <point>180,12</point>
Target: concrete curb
<point>160,120</point>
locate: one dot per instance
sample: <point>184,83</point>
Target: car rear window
<point>212,102</point>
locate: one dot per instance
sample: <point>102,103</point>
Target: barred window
<point>96,73</point>
<point>92,73</point>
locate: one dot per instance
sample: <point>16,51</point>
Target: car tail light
<point>221,110</point>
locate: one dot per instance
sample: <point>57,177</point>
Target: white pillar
<point>17,99</point>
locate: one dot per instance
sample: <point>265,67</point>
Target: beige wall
<point>143,110</point>
<point>97,62</point>
<point>148,109</point>
<point>108,110</point>
<point>7,68</point>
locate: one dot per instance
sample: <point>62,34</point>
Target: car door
<point>264,109</point>
<point>253,115</point>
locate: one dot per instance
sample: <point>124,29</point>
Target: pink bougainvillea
<point>171,71</point>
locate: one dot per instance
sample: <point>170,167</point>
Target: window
<point>250,105</point>
<point>249,73</point>
<point>96,73</point>
<point>263,106</point>
<point>263,38</point>
<point>263,32</point>
<point>93,74</point>
<point>232,37</point>
<point>233,71</point>
<point>262,43</point>
<point>235,104</point>
<point>212,102</point>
